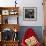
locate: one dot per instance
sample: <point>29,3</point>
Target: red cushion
<point>29,33</point>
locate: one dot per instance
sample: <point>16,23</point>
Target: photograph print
<point>30,13</point>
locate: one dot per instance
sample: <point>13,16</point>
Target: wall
<point>32,3</point>
<point>26,3</point>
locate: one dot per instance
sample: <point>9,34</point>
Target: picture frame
<point>5,12</point>
<point>13,12</point>
<point>30,13</point>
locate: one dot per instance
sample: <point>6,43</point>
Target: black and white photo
<point>29,13</point>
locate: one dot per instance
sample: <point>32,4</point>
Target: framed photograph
<point>13,12</point>
<point>5,12</point>
<point>30,13</point>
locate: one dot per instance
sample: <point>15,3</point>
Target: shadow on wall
<point>37,29</point>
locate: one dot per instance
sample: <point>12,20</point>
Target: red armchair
<point>28,34</point>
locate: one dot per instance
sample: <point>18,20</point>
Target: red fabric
<point>29,33</point>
